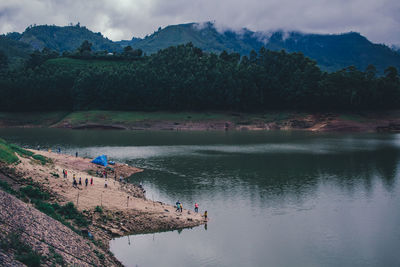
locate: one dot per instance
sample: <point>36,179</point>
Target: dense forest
<point>186,78</point>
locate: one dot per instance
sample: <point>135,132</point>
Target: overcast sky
<point>378,20</point>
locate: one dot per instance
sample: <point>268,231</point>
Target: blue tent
<point>100,160</point>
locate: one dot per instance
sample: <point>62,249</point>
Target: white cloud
<point>122,19</point>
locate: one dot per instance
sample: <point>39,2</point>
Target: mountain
<point>331,51</point>
<point>67,38</point>
<point>15,50</point>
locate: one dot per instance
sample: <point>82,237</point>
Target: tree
<point>85,47</point>
<point>3,60</point>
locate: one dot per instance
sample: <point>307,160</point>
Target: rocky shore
<point>116,210</point>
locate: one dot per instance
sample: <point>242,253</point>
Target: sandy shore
<point>125,208</point>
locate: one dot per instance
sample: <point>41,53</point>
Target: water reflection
<point>274,199</point>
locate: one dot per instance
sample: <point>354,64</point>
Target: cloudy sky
<point>379,20</point>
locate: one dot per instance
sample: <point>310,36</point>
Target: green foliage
<point>7,188</point>
<point>34,193</point>
<point>43,160</point>
<point>185,78</point>
<point>22,251</point>
<point>66,38</point>
<point>7,154</point>
<point>69,211</point>
<point>21,151</point>
<point>98,209</point>
<point>56,258</point>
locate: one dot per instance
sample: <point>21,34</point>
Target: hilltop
<point>331,51</point>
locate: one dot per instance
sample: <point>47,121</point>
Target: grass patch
<point>128,117</point>
<point>43,160</point>
<point>22,152</point>
<point>22,252</point>
<point>7,154</point>
<point>34,193</point>
<point>352,117</point>
<point>31,118</point>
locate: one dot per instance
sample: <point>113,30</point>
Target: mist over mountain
<point>331,51</point>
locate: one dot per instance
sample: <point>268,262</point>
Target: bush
<point>70,212</point>
<point>34,193</point>
<point>7,188</point>
<point>43,160</point>
<point>98,209</point>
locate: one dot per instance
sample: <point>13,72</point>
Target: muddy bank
<point>363,121</point>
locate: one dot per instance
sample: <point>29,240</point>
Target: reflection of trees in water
<point>271,175</point>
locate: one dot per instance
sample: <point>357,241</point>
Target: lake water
<point>273,198</point>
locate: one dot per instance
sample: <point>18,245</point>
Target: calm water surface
<point>274,199</point>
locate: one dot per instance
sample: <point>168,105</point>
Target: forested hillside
<point>66,38</point>
<point>332,52</point>
<point>186,78</point>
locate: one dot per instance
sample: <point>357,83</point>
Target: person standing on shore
<point>196,207</point>
<point>181,207</point>
<point>178,205</point>
<point>86,181</point>
<point>76,154</point>
<point>80,181</point>
<point>91,181</point>
<point>205,215</point>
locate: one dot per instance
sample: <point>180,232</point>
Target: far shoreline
<point>362,121</point>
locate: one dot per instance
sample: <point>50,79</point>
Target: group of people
<point>75,183</point>
<point>179,207</point>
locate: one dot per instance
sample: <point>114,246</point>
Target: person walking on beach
<point>178,205</point>
<point>205,215</point>
<point>91,181</point>
<point>66,174</point>
<point>86,181</point>
<point>196,207</point>
<point>76,154</point>
<point>74,176</point>
<point>181,207</point>
<point>105,185</point>
<point>80,181</point>
<point>74,183</point>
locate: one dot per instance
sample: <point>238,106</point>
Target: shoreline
<point>365,121</point>
<point>119,209</point>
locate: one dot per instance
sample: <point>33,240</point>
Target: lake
<point>273,198</point>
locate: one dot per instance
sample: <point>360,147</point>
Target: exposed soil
<point>125,210</point>
<point>379,121</point>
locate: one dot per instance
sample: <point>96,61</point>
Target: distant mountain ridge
<point>63,38</point>
<point>331,51</point>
